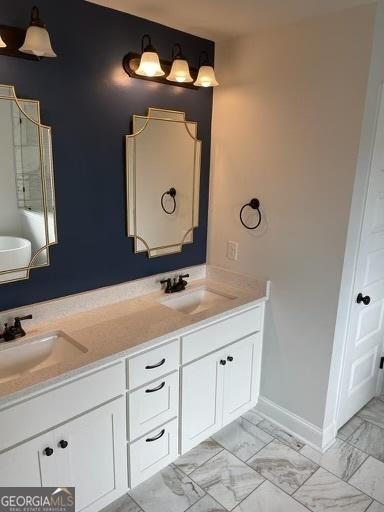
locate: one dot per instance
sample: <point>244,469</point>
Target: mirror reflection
<point>28,219</point>
<point>163,167</point>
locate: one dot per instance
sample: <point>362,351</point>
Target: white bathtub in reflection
<point>15,252</point>
<point>33,227</point>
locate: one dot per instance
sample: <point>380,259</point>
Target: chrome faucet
<point>178,284</point>
<point>14,331</point>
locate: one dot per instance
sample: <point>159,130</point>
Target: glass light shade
<point>149,65</point>
<point>37,42</point>
<point>180,71</point>
<point>2,43</point>
<point>206,77</point>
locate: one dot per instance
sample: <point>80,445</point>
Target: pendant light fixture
<point>180,68</point>
<point>2,43</point>
<point>206,76</point>
<point>149,61</point>
<point>37,41</point>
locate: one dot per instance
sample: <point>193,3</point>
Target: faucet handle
<point>17,330</point>
<point>18,319</point>
<point>168,281</point>
<point>17,324</point>
<point>182,282</point>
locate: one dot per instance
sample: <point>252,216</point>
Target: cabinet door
<point>27,465</point>
<point>201,400</point>
<point>91,455</point>
<point>241,377</point>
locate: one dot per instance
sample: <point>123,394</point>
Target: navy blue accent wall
<point>89,101</point>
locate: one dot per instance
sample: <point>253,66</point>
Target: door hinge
<point>381,363</point>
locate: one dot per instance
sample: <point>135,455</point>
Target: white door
<point>31,464</point>
<point>241,377</point>
<point>201,400</point>
<point>91,456</point>
<point>365,332</point>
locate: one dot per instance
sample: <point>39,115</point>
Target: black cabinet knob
<point>48,451</point>
<point>230,359</point>
<point>223,362</point>
<point>361,299</point>
<point>63,444</point>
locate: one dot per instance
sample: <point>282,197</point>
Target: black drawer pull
<point>155,365</point>
<point>155,389</point>
<point>150,439</point>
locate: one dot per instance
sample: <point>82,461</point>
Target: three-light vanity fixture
<point>31,43</point>
<point>148,66</point>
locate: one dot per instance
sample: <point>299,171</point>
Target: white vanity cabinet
<point>86,452</point>
<point>110,428</point>
<point>219,387</point>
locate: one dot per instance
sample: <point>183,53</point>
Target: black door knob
<point>223,362</point>
<point>230,359</point>
<point>48,451</point>
<point>63,444</point>
<point>361,299</point>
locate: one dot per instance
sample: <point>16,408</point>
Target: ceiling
<point>222,19</point>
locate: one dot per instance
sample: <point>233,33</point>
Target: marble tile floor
<point>254,466</point>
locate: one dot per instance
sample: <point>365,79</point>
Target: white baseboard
<point>305,431</point>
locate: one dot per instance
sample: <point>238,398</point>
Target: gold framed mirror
<point>27,192</point>
<point>163,181</point>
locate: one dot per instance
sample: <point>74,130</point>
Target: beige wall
<point>286,129</point>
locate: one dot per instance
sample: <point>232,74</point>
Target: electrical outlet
<point>232,250</point>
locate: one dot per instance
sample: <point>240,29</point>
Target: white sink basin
<point>196,300</point>
<point>24,356</point>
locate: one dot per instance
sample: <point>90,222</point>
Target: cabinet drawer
<point>226,331</point>
<point>153,405</point>
<point>26,419</point>
<point>153,452</point>
<point>153,364</point>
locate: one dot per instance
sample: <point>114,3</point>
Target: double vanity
<point>104,399</point>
